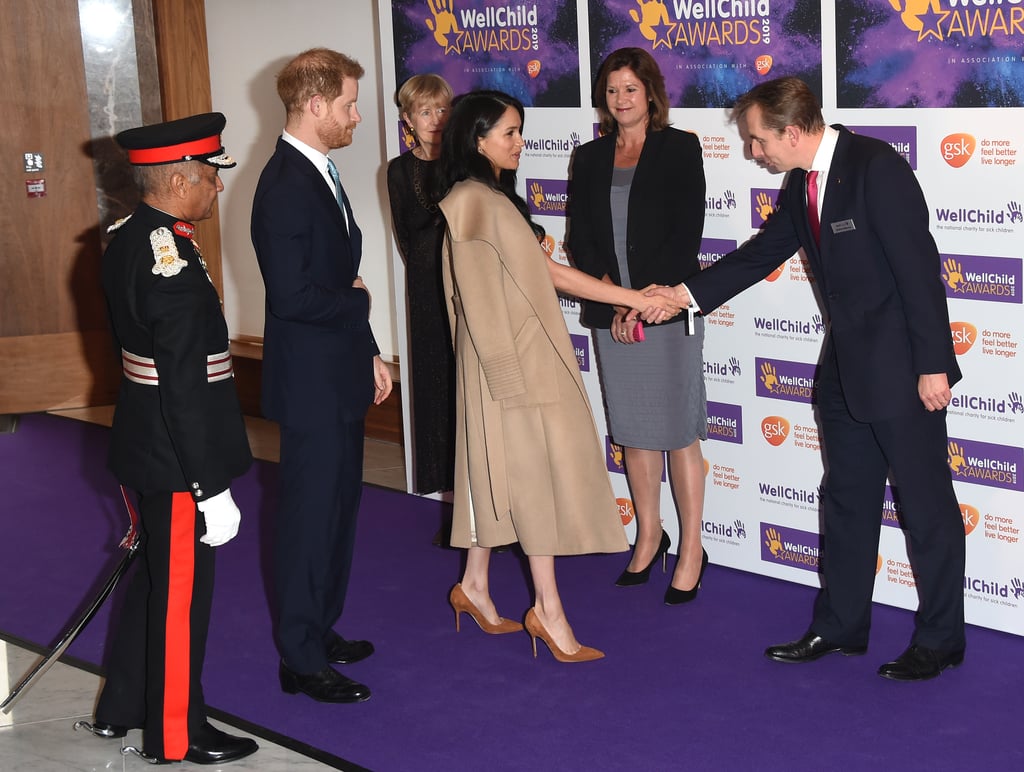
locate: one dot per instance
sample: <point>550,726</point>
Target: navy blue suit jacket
<point>877,270</point>
<point>317,348</point>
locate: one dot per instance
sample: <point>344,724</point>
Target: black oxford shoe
<point>208,745</point>
<point>342,652</point>
<point>810,648</point>
<point>919,663</point>
<point>327,685</point>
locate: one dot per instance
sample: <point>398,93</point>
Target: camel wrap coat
<point>529,466</point>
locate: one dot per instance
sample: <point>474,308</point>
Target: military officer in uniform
<point>178,439</point>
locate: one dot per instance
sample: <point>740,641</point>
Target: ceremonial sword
<point>130,543</point>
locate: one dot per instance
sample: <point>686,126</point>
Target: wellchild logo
<point>764,202</point>
<point>733,532</point>
<point>726,371</point>
<point>405,137</point>
<point>725,422</point>
<point>548,197</point>
<point>891,514</point>
<point>702,23</point>
<point>1003,409</point>
<point>964,334</point>
<point>613,456</point>
<point>614,459</point>
<point>976,277</point>
<point>551,147</point>
<point>963,22</point>
<point>992,590</point>
<point>903,139</point>
<point>788,495</point>
<point>975,219</point>
<point>985,463</point>
<point>512,27</point>
<point>782,379</point>
<point>713,250</point>
<point>581,345</point>
<point>720,206</point>
<point>789,546</point>
<point>957,149</point>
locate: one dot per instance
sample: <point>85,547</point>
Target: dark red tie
<point>812,206</point>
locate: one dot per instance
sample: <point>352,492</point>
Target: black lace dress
<point>419,231</point>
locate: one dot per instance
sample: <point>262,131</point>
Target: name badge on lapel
<point>842,226</point>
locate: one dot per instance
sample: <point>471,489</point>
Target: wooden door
<point>55,349</point>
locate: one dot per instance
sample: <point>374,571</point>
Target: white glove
<point>222,518</point>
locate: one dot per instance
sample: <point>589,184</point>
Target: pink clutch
<point>638,331</point>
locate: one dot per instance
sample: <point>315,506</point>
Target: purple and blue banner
<point>529,50</point>
<point>929,53</point>
<point>709,51</point>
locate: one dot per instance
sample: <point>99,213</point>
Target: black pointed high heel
<point>674,597</point>
<point>632,578</point>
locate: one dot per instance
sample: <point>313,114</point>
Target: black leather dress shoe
<point>328,685</point>
<point>103,729</point>
<point>810,648</point>
<point>919,663</point>
<point>342,652</point>
<point>209,745</point>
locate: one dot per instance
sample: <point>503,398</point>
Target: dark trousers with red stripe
<point>156,659</point>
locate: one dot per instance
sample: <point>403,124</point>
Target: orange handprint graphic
<point>537,195</point>
<point>652,14</point>
<point>773,542</point>
<point>952,273</point>
<point>444,25</point>
<point>616,455</point>
<point>765,207</point>
<point>768,377</point>
<point>911,9</point>
<point>956,457</point>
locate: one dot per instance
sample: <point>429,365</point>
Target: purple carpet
<point>683,688</point>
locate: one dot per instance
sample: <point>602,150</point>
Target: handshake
<point>663,302</point>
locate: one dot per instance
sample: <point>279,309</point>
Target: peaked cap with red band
<point>196,138</point>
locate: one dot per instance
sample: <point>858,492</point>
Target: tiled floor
<point>38,734</point>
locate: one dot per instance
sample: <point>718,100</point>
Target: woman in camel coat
<point>529,466</point>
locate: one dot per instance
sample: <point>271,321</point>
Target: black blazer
<point>877,270</point>
<point>185,434</point>
<point>317,347</point>
<point>665,221</point>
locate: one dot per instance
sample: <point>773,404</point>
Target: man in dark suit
<point>321,370</point>
<point>178,439</point>
<point>886,369</point>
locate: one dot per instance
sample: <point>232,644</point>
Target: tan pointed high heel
<point>461,603</point>
<point>536,630</point>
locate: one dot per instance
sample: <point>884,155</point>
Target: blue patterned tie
<point>339,194</point>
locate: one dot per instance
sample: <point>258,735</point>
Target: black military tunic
<point>178,437</point>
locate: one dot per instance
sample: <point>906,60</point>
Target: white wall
<point>249,42</point>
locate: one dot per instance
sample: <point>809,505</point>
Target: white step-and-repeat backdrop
<point>942,81</point>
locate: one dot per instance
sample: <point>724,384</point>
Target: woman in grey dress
<point>636,217</point>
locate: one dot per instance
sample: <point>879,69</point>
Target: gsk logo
<point>957,149</point>
<point>878,564</point>
<point>971,516</point>
<point>626,511</point>
<point>775,429</point>
<point>533,68</point>
<point>776,273</point>
<point>548,245</point>
<point>964,334</point>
